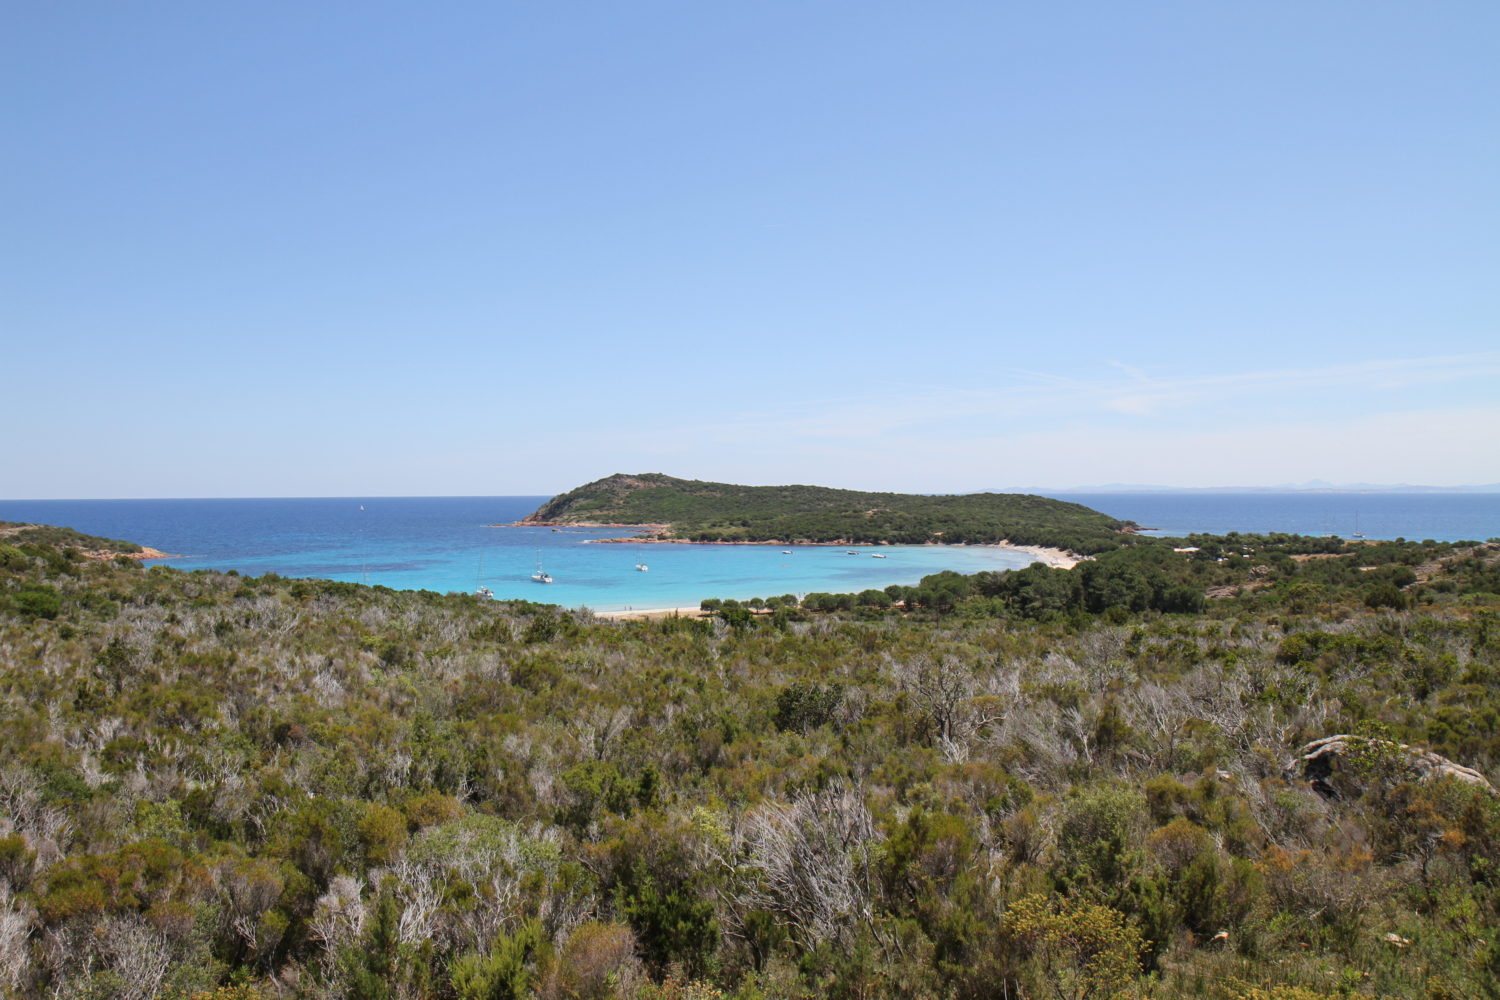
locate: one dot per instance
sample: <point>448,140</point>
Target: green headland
<point>692,510</point>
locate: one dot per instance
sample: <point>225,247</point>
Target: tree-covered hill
<point>703,511</point>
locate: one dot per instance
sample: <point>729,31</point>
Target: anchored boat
<point>541,575</point>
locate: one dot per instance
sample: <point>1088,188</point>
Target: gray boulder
<point>1318,763</point>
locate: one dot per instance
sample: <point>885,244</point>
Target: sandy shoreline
<point>652,535</point>
<point>637,614</point>
<point>1055,558</point>
<point>1048,556</point>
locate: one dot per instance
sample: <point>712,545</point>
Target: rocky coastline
<point>145,552</point>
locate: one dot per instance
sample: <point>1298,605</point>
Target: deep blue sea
<point>448,544</point>
<point>1441,517</point>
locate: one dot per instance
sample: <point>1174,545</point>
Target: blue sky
<point>492,248</point>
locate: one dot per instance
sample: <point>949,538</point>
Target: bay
<point>449,544</point>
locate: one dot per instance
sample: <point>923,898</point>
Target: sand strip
<point>1056,558</point>
<point>635,614</point>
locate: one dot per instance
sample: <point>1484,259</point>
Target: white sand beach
<point>635,614</point>
<point>1056,558</point>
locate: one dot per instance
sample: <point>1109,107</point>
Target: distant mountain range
<point>1312,486</point>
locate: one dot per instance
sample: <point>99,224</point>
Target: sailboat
<point>480,590</point>
<point>364,552</point>
<point>541,575</point>
<point>642,567</point>
<point>1356,526</point>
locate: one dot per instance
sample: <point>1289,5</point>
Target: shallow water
<point>447,544</point>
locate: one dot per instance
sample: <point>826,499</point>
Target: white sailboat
<point>541,575</point>
<point>480,590</point>
<point>642,567</point>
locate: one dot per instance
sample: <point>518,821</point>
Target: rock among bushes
<point>1347,756</point>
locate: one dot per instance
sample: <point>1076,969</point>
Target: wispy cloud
<point>1359,421</point>
<point>1440,446</point>
<point>1035,398</point>
<point>1444,446</point>
<point>1140,393</point>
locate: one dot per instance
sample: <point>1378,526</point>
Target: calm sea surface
<point>1442,517</point>
<point>446,544</point>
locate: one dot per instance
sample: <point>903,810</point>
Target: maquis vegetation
<point>1043,783</point>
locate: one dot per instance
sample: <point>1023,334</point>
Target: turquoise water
<point>446,543</point>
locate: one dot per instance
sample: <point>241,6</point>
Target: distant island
<point>689,510</point>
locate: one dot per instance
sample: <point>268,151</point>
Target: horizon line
<point>1398,488</point>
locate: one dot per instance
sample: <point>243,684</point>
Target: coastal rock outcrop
<point>1324,764</point>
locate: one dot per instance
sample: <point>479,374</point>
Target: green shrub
<point>1073,950</point>
<point>36,602</point>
